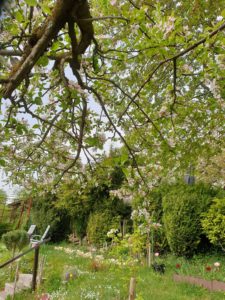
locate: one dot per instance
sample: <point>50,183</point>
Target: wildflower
<point>44,297</point>
<point>217,264</point>
<point>113,2</point>
<point>156,225</point>
<point>208,268</point>
<point>157,254</point>
<point>178,266</point>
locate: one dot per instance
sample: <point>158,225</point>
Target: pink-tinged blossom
<point>113,2</point>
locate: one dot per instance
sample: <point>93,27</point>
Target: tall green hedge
<point>99,223</point>
<point>182,209</point>
<point>44,213</point>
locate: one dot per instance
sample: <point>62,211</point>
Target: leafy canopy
<point>148,74</point>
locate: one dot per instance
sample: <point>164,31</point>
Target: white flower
<point>187,68</point>
<point>217,264</point>
<point>169,25</point>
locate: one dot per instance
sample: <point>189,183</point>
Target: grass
<point>107,281</point>
<point>201,266</point>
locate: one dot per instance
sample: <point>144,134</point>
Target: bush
<point>16,239</point>
<point>4,227</point>
<point>213,223</point>
<point>99,224</point>
<point>182,209</point>
<point>45,213</point>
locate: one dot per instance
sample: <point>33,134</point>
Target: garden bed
<point>211,285</point>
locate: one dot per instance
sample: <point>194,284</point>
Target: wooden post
<point>41,269</point>
<point>124,227</point>
<point>35,269</point>
<point>148,245</point>
<point>132,289</point>
<point>15,281</point>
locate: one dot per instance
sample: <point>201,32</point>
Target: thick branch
<point>4,52</point>
<point>40,39</point>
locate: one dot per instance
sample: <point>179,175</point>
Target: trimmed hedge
<point>182,209</point>
<point>99,224</point>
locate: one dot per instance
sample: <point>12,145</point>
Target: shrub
<point>182,208</point>
<point>4,227</point>
<point>45,213</point>
<point>99,224</point>
<point>213,222</point>
<point>16,239</point>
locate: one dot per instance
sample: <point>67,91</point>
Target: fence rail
<point>36,256</point>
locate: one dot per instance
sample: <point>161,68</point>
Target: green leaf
<point>19,16</point>
<point>31,2</point>
<point>125,171</point>
<point>19,129</point>
<point>2,162</point>
<point>92,141</point>
<point>36,126</point>
<point>124,158</point>
<point>223,13</point>
<point>46,9</point>
<point>95,63</point>
<point>55,46</point>
<point>43,61</point>
<point>38,101</point>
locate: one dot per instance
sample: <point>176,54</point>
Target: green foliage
<point>117,177</point>
<point>4,227</point>
<point>146,51</point>
<point>80,199</point>
<point>16,239</point>
<point>213,222</point>
<point>3,195</point>
<point>182,208</point>
<point>99,223</point>
<point>45,213</point>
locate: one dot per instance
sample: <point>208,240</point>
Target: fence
<point>34,248</point>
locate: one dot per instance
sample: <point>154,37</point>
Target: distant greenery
<point>45,213</point>
<point>75,204</point>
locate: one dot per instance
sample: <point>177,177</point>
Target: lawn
<point>106,279</point>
